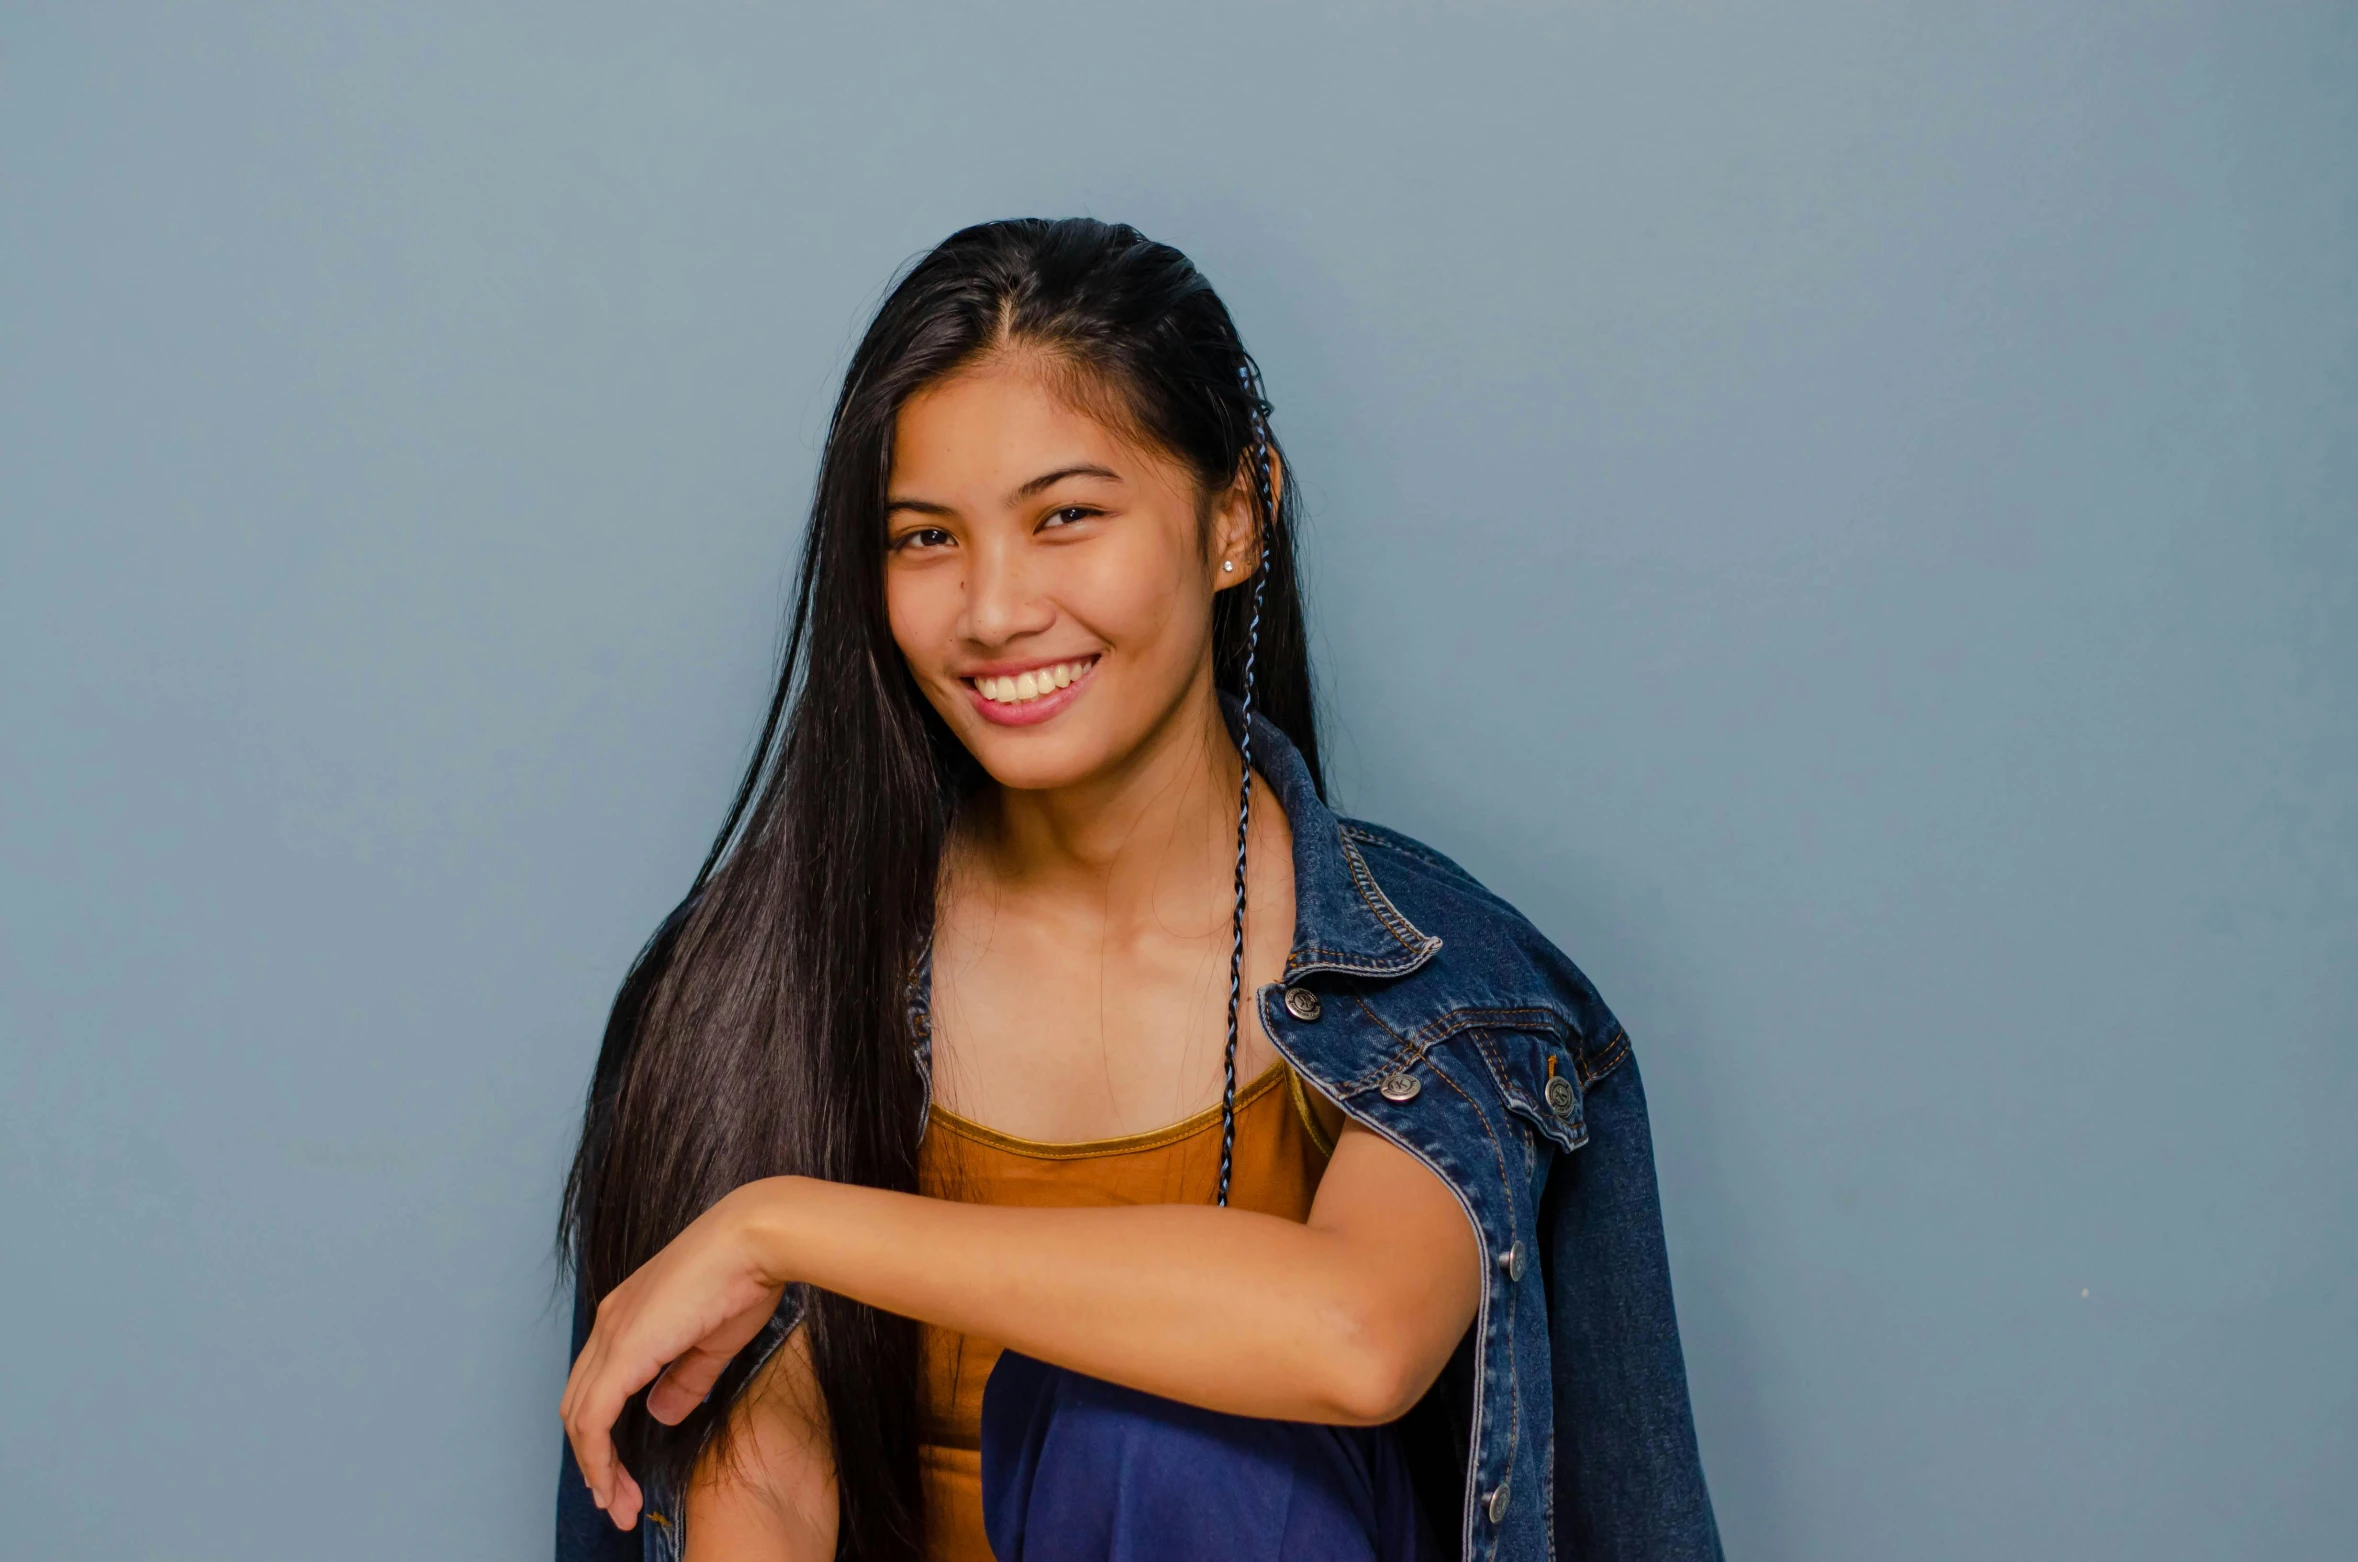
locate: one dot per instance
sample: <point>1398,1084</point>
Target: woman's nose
<point>1002,596</point>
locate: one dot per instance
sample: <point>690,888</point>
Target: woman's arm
<point>765,1491</point>
<point>1345,1319</point>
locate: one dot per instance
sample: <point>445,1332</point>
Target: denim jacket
<point>1433,1014</point>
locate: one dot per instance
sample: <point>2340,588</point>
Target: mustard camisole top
<point>1280,1152</point>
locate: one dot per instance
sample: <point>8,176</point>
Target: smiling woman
<point>920,1210</point>
<point>1041,560</point>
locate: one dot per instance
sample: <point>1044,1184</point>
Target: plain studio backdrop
<point>1844,513</point>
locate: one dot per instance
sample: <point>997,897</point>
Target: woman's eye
<point>1069,514</point>
<point>923,537</point>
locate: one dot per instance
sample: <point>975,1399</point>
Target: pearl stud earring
<point>1228,566</point>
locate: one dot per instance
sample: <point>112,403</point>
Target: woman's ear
<point>1238,539</point>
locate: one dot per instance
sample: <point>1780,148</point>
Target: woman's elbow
<point>1380,1368</point>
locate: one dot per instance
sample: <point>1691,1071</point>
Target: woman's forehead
<point>994,427</point>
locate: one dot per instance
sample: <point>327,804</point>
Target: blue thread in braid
<point>1244,799</point>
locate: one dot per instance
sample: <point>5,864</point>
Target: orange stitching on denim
<point>1410,937</point>
<point>1518,1100</point>
<point>1615,1050</point>
<point>1435,1031</point>
<point>1349,961</point>
<point>1406,848</point>
<point>1506,1187</point>
<point>1414,850</point>
<point>1408,1051</point>
<point>1339,954</point>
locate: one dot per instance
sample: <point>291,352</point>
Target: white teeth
<point>1031,685</point>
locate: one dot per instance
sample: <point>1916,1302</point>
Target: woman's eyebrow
<point>1050,479</point>
<point>1038,484</point>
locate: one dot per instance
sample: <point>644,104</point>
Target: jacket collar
<point>1343,920</point>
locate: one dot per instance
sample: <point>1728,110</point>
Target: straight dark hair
<point>766,1028</point>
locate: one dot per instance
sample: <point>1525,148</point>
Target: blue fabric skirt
<point>1075,1469</point>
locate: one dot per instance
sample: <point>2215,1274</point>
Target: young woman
<point>1045,1130</point>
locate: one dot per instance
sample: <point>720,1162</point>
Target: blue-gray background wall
<point>1843,512</point>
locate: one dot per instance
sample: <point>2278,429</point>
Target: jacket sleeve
<point>584,1534</point>
<point>1629,1480</point>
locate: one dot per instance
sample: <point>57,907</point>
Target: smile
<point>1034,694</point>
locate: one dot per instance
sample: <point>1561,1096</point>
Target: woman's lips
<point>1028,698</point>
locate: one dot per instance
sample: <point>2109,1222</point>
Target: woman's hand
<point>676,1323</point>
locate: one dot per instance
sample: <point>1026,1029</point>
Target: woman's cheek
<point>921,609</point>
<point>1131,596</point>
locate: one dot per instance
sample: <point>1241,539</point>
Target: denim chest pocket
<point>1537,1078</point>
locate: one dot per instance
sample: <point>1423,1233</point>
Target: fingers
<point>590,1431</point>
<point>604,1377</point>
<point>691,1307</point>
<point>624,1508</point>
<point>594,1396</point>
<point>685,1383</point>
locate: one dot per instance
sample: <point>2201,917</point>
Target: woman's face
<point>1048,576</point>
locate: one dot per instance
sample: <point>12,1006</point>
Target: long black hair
<point>765,1028</point>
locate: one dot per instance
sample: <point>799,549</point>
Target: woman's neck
<point>1159,824</point>
<point>1081,948</point>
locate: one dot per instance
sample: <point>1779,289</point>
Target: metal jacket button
<point>1512,1262</point>
<point>1301,1003</point>
<point>1495,1503</point>
<point>1560,1096</point>
<point>1399,1087</point>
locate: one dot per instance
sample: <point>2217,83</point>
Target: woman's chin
<point>1069,738</point>
<point>1037,760</point>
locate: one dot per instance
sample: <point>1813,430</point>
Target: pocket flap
<point>1537,1075</point>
